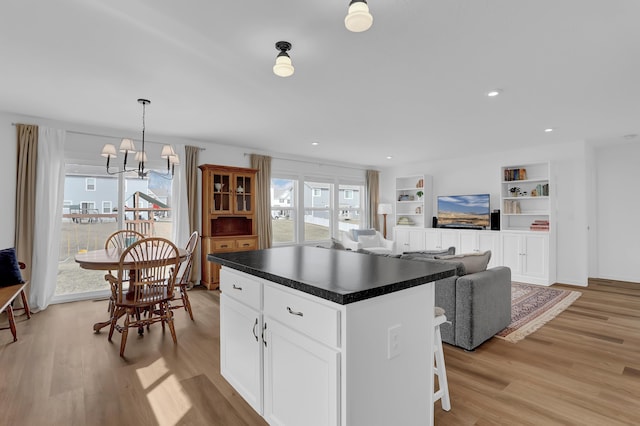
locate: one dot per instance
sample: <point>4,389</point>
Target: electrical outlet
<point>393,341</point>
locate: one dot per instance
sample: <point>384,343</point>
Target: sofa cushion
<point>473,262</point>
<point>460,271</point>
<point>9,268</point>
<point>368,241</point>
<point>431,253</point>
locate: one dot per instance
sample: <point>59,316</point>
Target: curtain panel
<point>373,198</point>
<point>263,199</point>
<point>192,159</point>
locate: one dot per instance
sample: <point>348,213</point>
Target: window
<point>283,210</point>
<point>90,184</point>
<point>312,210</point>
<point>317,210</point>
<point>350,200</point>
<point>106,207</point>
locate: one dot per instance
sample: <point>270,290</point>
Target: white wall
<point>618,211</point>
<point>481,174</point>
<point>8,147</point>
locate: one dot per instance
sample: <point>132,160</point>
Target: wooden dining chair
<point>183,281</point>
<point>155,265</point>
<point>120,240</point>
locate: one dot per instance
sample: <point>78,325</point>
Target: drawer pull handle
<point>245,245</point>
<point>264,328</point>
<point>292,312</point>
<point>254,330</point>
<point>224,246</point>
<point>235,287</point>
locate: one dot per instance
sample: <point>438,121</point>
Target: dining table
<point>108,259</point>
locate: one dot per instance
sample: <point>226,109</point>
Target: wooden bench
<point>7,296</point>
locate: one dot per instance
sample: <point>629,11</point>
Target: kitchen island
<point>329,337</point>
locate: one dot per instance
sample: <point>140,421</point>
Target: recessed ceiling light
<point>630,136</point>
<point>389,157</point>
<point>494,93</point>
<point>549,130</point>
<point>315,143</point>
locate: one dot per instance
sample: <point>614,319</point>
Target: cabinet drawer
<point>246,244</point>
<point>222,245</point>
<point>315,320</point>
<point>241,288</point>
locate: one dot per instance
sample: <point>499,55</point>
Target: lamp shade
<point>127,145</point>
<point>173,159</point>
<point>141,156</point>
<point>109,151</point>
<point>358,18</point>
<point>167,151</point>
<point>384,208</point>
<point>283,67</point>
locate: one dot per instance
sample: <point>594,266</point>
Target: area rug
<point>532,306</point>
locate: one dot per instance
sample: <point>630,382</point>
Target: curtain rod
<point>77,132</point>
<point>312,162</point>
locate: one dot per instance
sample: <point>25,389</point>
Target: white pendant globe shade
<point>358,18</point>
<point>283,67</point>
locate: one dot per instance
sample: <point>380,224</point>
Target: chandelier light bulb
<point>358,18</point>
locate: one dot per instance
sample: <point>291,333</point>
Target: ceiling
<point>412,87</point>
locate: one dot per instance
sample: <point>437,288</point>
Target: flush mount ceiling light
<point>549,130</point>
<point>127,146</point>
<point>493,93</point>
<point>358,18</point>
<point>283,67</point>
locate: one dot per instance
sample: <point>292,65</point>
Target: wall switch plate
<point>393,341</point>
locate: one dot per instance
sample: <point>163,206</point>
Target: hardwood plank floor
<point>582,368</point>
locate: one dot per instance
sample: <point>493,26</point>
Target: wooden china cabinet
<point>228,215</point>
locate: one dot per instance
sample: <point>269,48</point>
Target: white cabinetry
<point>413,200</point>
<point>441,239</point>
<point>481,241</point>
<point>527,254</point>
<point>321,358</point>
<point>408,239</point>
<point>240,345</point>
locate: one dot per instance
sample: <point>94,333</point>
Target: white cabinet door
<point>416,239</point>
<point>490,240</point>
<point>449,238</point>
<point>468,242</point>
<point>536,256</point>
<point>432,239</point>
<point>301,378</point>
<point>241,349</point>
<point>401,239</point>
<point>512,252</point>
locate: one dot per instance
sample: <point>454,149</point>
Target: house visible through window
<point>317,192</point>
<point>106,207</point>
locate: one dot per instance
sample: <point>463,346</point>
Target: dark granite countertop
<point>337,275</point>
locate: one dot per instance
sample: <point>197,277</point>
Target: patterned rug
<point>532,306</point>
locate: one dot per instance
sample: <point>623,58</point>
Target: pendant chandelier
<point>127,146</point>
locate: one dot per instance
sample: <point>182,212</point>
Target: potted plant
<point>419,194</point>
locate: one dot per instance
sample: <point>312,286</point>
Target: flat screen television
<point>464,211</point>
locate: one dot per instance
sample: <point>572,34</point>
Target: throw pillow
<point>473,262</point>
<point>9,268</point>
<point>367,241</point>
<point>355,233</point>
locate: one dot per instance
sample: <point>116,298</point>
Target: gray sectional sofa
<point>478,304</point>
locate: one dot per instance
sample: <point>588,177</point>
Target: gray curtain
<point>27,138</point>
<point>263,199</point>
<point>192,154</point>
<point>373,198</point>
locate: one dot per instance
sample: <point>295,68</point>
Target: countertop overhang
<point>339,276</point>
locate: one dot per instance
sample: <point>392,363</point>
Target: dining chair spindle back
<point>183,282</point>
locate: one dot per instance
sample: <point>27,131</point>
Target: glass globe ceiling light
<point>283,67</point>
<point>358,18</point>
<point>127,146</point>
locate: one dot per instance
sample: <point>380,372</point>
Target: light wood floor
<point>582,368</point>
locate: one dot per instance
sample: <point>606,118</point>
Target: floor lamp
<point>385,209</point>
